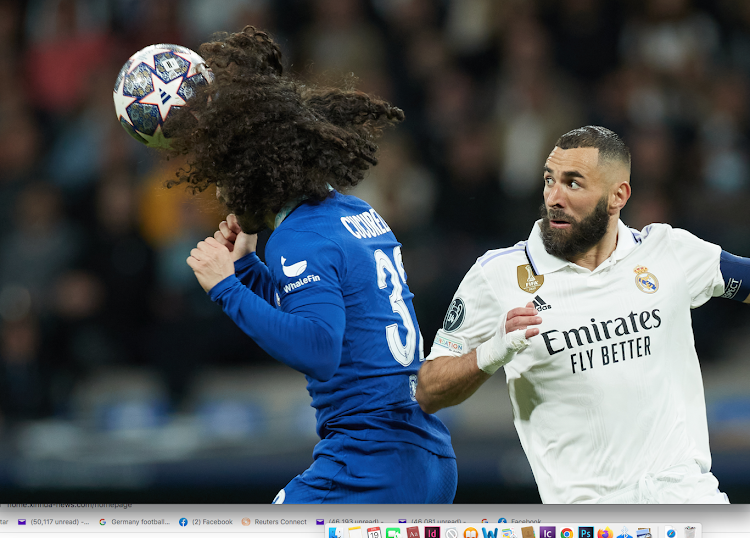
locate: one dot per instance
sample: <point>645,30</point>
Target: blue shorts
<point>351,471</point>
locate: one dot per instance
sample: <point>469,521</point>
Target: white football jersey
<point>611,389</point>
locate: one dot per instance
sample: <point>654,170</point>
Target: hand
<point>509,339</point>
<point>211,262</point>
<point>521,318</point>
<point>231,236</point>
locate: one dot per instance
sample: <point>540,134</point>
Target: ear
<point>619,197</point>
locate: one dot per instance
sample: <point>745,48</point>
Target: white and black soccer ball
<point>151,84</point>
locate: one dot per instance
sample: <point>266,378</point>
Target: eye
<point>574,185</point>
<point>548,181</point>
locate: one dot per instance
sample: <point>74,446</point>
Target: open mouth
<point>559,224</point>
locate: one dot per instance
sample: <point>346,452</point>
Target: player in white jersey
<point>601,365</point>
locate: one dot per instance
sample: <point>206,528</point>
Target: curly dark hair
<point>266,139</point>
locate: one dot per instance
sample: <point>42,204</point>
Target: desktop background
<point>121,382</point>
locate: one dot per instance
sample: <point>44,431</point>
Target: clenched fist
<point>231,236</point>
<point>211,262</point>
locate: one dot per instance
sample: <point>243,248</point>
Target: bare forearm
<point>447,381</point>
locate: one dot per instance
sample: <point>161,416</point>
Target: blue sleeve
<point>254,274</point>
<point>736,274</point>
<point>308,339</point>
<point>306,331</point>
<point>307,267</point>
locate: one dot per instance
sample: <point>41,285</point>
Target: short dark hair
<point>611,147</point>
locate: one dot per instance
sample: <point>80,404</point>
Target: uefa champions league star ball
<point>153,82</point>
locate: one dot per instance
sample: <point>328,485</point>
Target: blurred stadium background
<point>121,382</point>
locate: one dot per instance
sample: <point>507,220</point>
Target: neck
<point>274,221</point>
<point>593,258</point>
<point>253,225</point>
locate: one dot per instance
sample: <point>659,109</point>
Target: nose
<point>554,196</point>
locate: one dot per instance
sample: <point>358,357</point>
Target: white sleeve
<point>472,317</point>
<point>700,261</point>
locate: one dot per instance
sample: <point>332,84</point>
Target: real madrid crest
<point>645,281</point>
<point>527,280</point>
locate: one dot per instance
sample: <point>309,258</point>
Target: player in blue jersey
<point>331,300</point>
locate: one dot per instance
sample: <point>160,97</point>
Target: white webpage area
<point>376,521</point>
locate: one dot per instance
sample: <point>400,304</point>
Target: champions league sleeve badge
<point>455,316</point>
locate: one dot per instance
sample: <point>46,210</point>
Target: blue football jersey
<point>341,252</point>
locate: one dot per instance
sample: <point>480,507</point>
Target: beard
<point>580,237</point>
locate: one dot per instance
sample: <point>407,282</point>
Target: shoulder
<point>687,249</point>
<point>335,204</point>
<point>502,256</point>
<point>652,232</point>
<point>332,228</point>
<point>310,221</point>
<point>339,217</point>
<point>300,238</point>
<point>295,243</point>
<point>494,266</point>
<point>660,232</point>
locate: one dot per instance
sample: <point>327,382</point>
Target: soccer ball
<point>151,83</point>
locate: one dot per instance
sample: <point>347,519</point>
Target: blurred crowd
<point>93,247</point>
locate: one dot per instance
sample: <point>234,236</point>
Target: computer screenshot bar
<point>376,521</point>
<point>97,533</point>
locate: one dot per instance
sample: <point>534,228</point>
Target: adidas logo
<point>540,305</point>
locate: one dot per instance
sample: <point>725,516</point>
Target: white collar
<point>542,262</point>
